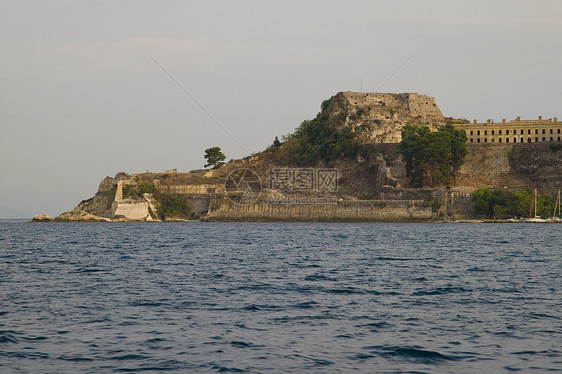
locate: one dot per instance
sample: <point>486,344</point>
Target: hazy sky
<point>82,98</point>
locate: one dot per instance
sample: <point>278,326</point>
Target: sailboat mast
<point>535,203</point>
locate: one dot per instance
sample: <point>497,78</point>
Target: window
<point>559,131</point>
<point>536,131</point>
<point>471,132</point>
<point>543,139</point>
<point>499,139</point>
<point>558,138</point>
<point>551,138</point>
<point>493,140</point>
<point>506,132</point>
<point>529,131</point>
<point>507,139</point>
<point>499,132</point>
<point>536,140</point>
<point>543,131</point>
<point>478,132</point>
<point>521,132</point>
<point>485,140</point>
<point>528,140</point>
<point>492,132</point>
<point>551,131</point>
<point>485,132</point>
<point>515,140</point>
<point>471,140</point>
<point>477,140</point>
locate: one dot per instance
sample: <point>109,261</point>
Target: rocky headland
<point>363,180</point>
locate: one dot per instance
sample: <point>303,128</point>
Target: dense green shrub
<point>171,206</point>
<point>325,137</point>
<point>432,158</point>
<point>167,205</point>
<point>138,190</point>
<point>500,203</point>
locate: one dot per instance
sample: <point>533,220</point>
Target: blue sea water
<point>280,297</point>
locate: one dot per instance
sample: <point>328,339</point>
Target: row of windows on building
<point>492,132</point>
<point>521,140</point>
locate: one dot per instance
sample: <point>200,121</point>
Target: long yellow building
<point>515,131</point>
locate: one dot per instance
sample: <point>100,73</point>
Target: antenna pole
<point>361,82</point>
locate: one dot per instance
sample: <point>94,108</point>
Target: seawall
<point>222,209</point>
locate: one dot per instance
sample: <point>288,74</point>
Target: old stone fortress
<point>516,131</point>
<point>378,120</point>
<point>387,113</point>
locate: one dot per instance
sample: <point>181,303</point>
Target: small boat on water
<point>535,219</point>
<point>554,217</point>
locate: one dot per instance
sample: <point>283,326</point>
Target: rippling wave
<point>280,297</point>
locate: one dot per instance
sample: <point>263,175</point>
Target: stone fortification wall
<point>196,189</point>
<point>457,202</point>
<point>450,201</point>
<point>385,114</point>
<point>424,107</point>
<point>540,163</point>
<point>514,165</point>
<point>486,162</point>
<point>132,210</point>
<point>222,209</point>
<point>418,106</point>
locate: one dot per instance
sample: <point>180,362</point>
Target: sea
<point>280,297</point>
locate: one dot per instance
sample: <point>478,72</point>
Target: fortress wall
<point>199,205</point>
<point>376,99</point>
<point>425,107</point>
<point>457,203</point>
<point>222,209</point>
<point>413,103</point>
<point>486,161</point>
<point>132,210</point>
<point>197,189</point>
<point>388,113</point>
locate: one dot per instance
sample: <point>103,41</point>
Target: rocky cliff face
<point>379,117</point>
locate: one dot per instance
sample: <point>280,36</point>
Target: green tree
<point>432,158</point>
<point>497,202</point>
<point>214,156</point>
<point>492,202</point>
<point>325,137</point>
<point>411,147</point>
<point>458,151</point>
